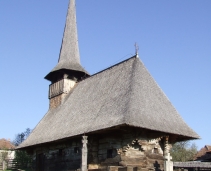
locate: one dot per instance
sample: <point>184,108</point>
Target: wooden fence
<point>1,166</point>
<point>15,164</point>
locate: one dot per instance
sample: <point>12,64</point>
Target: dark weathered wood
<point>116,149</point>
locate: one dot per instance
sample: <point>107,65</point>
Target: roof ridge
<point>131,88</point>
<point>108,68</point>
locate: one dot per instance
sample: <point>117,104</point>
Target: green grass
<point>19,170</point>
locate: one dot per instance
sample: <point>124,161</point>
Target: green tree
<point>183,151</point>
<point>21,156</point>
<point>19,138</point>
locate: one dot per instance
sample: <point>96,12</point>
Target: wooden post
<point>84,154</point>
<point>168,164</point>
<point>4,165</point>
<point>166,146</point>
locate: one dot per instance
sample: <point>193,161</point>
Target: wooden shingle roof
<point>69,58</point>
<point>192,164</point>
<point>124,94</point>
<point>204,153</point>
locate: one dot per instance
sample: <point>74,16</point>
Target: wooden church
<point>116,119</point>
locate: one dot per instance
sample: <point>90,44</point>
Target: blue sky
<point>174,39</point>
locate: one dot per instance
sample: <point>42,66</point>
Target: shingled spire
<point>68,71</point>
<point>69,58</point>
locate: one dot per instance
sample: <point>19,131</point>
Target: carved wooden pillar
<point>168,164</point>
<point>84,154</point>
<point>166,146</point>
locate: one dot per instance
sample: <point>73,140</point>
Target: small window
<point>76,150</point>
<point>60,152</point>
<point>156,150</point>
<point>109,153</point>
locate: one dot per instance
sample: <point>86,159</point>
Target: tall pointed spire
<point>69,58</point>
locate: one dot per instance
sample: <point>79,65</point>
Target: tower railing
<point>56,88</point>
<point>62,86</point>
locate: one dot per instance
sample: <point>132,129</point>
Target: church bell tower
<point>68,70</point>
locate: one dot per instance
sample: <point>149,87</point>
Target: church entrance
<point>40,161</point>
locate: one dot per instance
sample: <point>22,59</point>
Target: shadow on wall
<point>157,166</point>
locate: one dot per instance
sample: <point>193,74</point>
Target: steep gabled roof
<point>6,145</point>
<point>123,94</point>
<point>204,153</point>
<point>69,58</point>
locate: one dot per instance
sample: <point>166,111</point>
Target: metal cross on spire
<point>136,49</point>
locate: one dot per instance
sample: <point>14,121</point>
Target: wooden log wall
<point>105,152</point>
<point>63,157</point>
<point>125,150</point>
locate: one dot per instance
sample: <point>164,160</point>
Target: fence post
<point>4,165</point>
